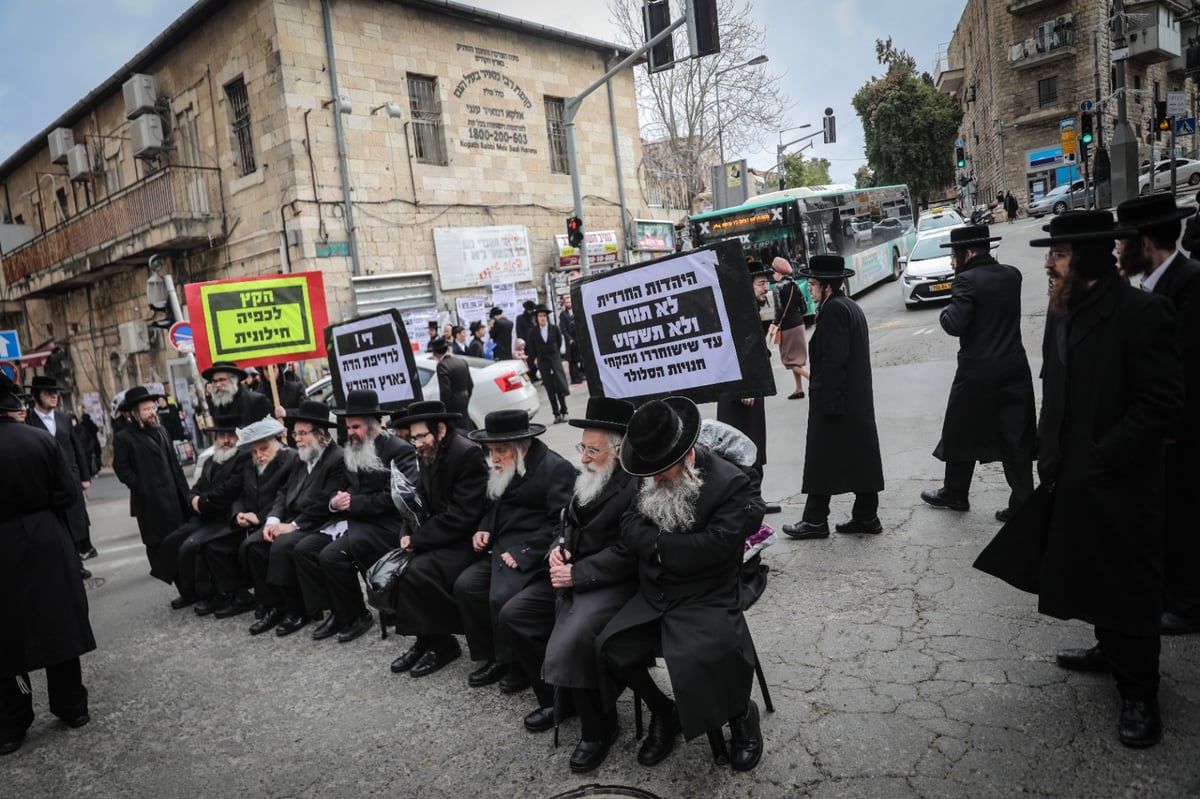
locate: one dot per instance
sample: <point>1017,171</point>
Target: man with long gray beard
<point>228,396</point>
<point>145,461</point>
<point>529,486</point>
<point>687,530</point>
<point>301,509</point>
<point>367,521</point>
<point>553,622</point>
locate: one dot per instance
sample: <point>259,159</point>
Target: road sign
<point>10,345</point>
<point>1066,129</point>
<point>959,142</point>
<point>11,370</point>
<point>1087,106</point>
<point>1176,104</point>
<point>1185,126</point>
<point>181,336</point>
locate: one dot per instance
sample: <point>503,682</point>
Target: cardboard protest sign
<point>258,320</point>
<point>373,352</point>
<point>683,325</point>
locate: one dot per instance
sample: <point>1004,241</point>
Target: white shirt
<point>1151,280</point>
<point>545,333</point>
<point>48,420</point>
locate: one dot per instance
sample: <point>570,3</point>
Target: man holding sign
<point>228,397</point>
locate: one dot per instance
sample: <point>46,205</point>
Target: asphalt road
<point>896,669</point>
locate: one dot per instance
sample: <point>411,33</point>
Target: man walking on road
<point>990,415</point>
<point>46,415</point>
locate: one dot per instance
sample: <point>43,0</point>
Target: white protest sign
<point>371,352</point>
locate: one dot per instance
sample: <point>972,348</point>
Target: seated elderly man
<point>592,575</point>
<point>452,488</point>
<point>211,500</point>
<point>368,522</point>
<point>263,478</point>
<point>529,487</point>
<point>301,509</point>
<point>687,530</point>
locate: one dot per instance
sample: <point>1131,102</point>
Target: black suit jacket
<point>73,451</point>
<point>1180,283</point>
<point>259,491</point>
<point>304,500</point>
<point>371,492</point>
<point>502,336</point>
<point>219,485</point>
<point>455,386</point>
<point>248,406</point>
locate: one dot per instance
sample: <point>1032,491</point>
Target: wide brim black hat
<point>424,411</point>
<point>1156,209</point>
<point>605,413</point>
<point>529,305</point>
<point>758,269</point>
<point>542,309</point>
<point>311,411</point>
<point>438,345</point>
<point>136,396</point>
<point>10,395</point>
<point>509,425</point>
<point>825,267</point>
<point>223,423</point>
<point>1073,226</point>
<point>969,236</point>
<point>659,435</point>
<point>223,366</point>
<point>44,383</point>
<point>361,402</point>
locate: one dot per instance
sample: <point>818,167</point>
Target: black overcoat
<point>45,616</point>
<point>549,355</point>
<point>455,387</point>
<point>842,450</point>
<point>603,577</point>
<point>248,406</point>
<point>78,464</point>
<point>749,419</point>
<point>501,335</point>
<point>689,582</point>
<point>1112,389</point>
<point>304,502</point>
<point>158,492</point>
<point>990,414</point>
<point>372,510</point>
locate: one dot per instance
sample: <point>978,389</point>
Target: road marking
<point>923,331</point>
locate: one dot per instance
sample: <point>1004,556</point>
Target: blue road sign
<point>1086,106</point>
<point>1185,126</point>
<point>10,345</point>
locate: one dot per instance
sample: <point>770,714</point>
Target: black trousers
<point>1018,474</point>
<point>626,655</point>
<point>222,559</point>
<point>1182,553</point>
<point>556,391</point>
<point>258,556</point>
<point>816,507</point>
<point>472,591</point>
<point>525,623</point>
<point>1134,661</point>
<point>328,570</point>
<point>64,684</point>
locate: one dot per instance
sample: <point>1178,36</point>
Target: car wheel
<point>1144,190</point>
<point>895,265</point>
<point>1194,179</point>
<point>1060,207</point>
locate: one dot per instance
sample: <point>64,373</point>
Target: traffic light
<point>168,316</point>
<point>1085,128</point>
<point>960,158</point>
<point>656,16</point>
<point>703,36</point>
<point>1161,121</point>
<point>830,127</point>
<point>574,231</point>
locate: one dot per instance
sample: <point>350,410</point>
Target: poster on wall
<point>469,257</point>
<point>654,235</point>
<point>472,309</point>
<point>373,352</point>
<point>416,325</point>
<point>684,325</point>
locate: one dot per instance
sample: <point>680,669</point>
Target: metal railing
<point>1037,45</point>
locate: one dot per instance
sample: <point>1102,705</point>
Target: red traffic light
<point>574,231</point>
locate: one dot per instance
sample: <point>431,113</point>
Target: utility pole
<point>1124,141</point>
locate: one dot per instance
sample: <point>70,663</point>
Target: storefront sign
<point>479,256</point>
<point>653,235</point>
<point>602,247</point>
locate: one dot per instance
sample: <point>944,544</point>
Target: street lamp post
<point>753,62</point>
<point>779,152</point>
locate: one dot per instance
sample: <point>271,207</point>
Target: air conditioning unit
<point>135,337</point>
<point>140,95</point>
<point>60,141</point>
<point>78,168</point>
<point>146,134</point>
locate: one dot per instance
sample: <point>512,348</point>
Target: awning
<point>35,359</point>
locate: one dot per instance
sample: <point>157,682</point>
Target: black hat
<point>223,366</point>
<point>496,311</point>
<point>424,411</point>
<point>659,435</point>
<point>223,423</point>
<point>825,267</point>
<point>438,345</point>
<point>969,236</point>
<point>541,309</point>
<point>361,402</point>
<point>44,383</point>
<point>758,269</point>
<point>311,411</point>
<point>605,413</point>
<point>477,326</point>
<point>529,305</point>
<point>10,395</point>
<point>510,425</point>
<point>1156,209</point>
<point>1082,226</point>
<point>136,396</point>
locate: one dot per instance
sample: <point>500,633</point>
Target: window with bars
<point>556,134</point>
<point>239,117</point>
<point>1047,91</point>
<point>426,108</point>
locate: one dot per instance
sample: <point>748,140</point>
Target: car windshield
<point>928,248</point>
<point>936,221</point>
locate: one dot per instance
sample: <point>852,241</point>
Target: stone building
<point>245,138</point>
<point>1022,67</point>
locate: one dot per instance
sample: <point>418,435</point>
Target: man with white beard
<point>301,509</point>
<point>687,530</point>
<point>553,622</point>
<point>529,487</point>
<point>145,461</point>
<point>228,396</point>
<point>367,522</point>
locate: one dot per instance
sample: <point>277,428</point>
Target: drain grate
<point>605,792</point>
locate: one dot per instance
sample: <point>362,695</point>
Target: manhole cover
<point>605,792</point>
<point>93,583</point>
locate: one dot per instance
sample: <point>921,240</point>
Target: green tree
<point>864,177</point>
<point>909,127</point>
<point>800,171</point>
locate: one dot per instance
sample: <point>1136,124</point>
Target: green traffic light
<point>1087,138</point>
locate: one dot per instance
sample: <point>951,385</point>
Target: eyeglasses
<point>1057,255</point>
<point>303,433</point>
<point>758,284</point>
<point>591,452</point>
<point>426,434</point>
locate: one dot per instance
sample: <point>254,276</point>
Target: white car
<point>927,275</point>
<point>1187,171</point>
<point>936,218</point>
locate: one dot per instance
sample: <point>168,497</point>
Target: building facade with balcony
<point>224,148</point>
<point>1022,67</point>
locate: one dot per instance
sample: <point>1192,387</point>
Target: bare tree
<point>683,129</point>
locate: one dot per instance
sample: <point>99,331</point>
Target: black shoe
<point>802,530</point>
<point>409,658</point>
<point>938,498</point>
<point>84,574</point>
<point>1140,724</point>
<point>1083,659</point>
<point>434,658</point>
<point>212,604</point>
<point>869,527</point>
<point>182,601</point>
<point>326,629</point>
<point>270,618</point>
<point>8,747</point>
<point>291,623</point>
<point>588,755</point>
<point>78,721</point>
<point>1174,624</point>
<point>772,507</point>
<point>540,720</point>
<point>88,553</point>
<point>745,740</point>
<point>489,674</point>
<point>1004,516</point>
<point>356,627</point>
<point>515,681</point>
<point>660,738</point>
<point>239,605</point>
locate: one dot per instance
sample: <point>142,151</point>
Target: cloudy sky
<point>823,50</point>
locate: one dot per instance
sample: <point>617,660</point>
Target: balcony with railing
<point>1043,47</point>
<point>175,208</point>
<point>948,72</point>
<point>1025,6</point>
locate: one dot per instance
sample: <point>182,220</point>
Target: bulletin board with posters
<point>373,352</point>
<point>469,257</point>
<point>684,325</point>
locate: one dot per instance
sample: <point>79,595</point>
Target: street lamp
<point>753,62</point>
<point>782,147</point>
